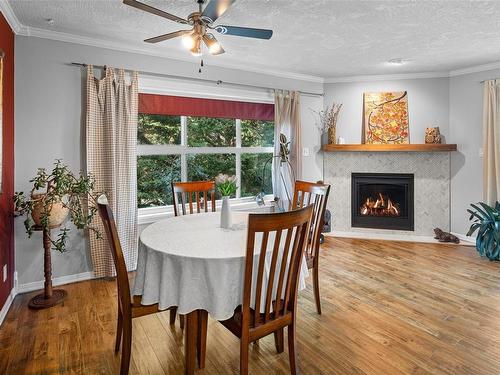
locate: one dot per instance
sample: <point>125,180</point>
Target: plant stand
<point>50,297</point>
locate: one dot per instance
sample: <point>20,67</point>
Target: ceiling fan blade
<point>168,36</point>
<point>150,9</point>
<point>213,45</point>
<point>247,32</point>
<point>215,9</point>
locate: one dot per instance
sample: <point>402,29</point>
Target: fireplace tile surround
<point>431,172</point>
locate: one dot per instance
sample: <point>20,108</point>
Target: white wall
<point>48,114</point>
<point>428,105</point>
<point>466,116</point>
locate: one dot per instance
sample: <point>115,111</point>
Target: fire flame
<point>379,207</point>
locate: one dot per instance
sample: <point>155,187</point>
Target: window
<point>190,148</point>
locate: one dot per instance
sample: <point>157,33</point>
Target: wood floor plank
<point>388,308</point>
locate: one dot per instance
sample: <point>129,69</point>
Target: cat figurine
<point>432,135</point>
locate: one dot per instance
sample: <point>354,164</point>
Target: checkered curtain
<point>111,125</point>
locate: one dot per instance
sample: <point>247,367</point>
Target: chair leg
<point>181,321</point>
<point>126,347</point>
<point>279,340</point>
<point>119,330</point>
<point>291,348</point>
<point>316,288</point>
<point>244,356</point>
<point>173,313</point>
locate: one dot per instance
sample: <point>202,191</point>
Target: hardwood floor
<point>388,308</point>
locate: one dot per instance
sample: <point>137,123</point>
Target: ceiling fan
<point>202,23</point>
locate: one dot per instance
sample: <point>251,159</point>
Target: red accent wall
<point>6,206</point>
<point>184,106</point>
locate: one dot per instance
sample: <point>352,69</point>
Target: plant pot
<point>225,214</point>
<point>58,212</point>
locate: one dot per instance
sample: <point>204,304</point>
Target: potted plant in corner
<point>55,196</point>
<point>487,223</point>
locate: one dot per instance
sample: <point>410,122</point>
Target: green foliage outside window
<point>158,130</point>
<point>154,175</point>
<point>211,132</point>
<point>256,133</point>
<point>253,176</point>
<point>156,172</point>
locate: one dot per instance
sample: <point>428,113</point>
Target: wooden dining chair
<point>283,268</point>
<point>191,193</point>
<point>306,193</point>
<point>197,195</point>
<point>128,308</point>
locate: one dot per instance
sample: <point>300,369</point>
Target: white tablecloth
<point>190,262</point>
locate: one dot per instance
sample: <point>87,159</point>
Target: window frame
<point>150,214</point>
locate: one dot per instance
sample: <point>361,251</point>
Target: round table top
<point>198,236</point>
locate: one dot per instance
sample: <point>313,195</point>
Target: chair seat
<point>261,329</point>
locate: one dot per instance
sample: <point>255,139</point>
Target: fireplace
<point>382,201</point>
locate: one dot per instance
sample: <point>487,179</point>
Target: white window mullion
<point>184,144</point>
<point>238,157</point>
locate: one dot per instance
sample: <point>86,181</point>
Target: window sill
<point>152,214</point>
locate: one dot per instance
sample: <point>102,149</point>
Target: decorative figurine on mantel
<point>55,196</point>
<point>327,121</point>
<point>432,135</point>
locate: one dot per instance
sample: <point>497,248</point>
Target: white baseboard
<point>36,285</point>
<point>6,306</point>
<point>396,237</point>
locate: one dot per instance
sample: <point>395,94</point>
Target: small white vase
<point>225,214</point>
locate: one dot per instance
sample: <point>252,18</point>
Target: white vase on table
<point>225,214</point>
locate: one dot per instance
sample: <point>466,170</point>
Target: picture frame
<point>385,118</point>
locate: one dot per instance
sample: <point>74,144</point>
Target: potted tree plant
<point>487,223</point>
<point>55,196</point>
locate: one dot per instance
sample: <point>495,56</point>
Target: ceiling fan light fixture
<point>213,45</point>
<point>196,50</point>
<point>189,41</point>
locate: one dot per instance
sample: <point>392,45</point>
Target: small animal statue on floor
<point>445,237</point>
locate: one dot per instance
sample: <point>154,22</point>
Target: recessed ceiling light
<point>398,61</point>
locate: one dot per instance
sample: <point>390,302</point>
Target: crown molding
<point>386,77</point>
<point>475,69</point>
<point>10,16</point>
<point>151,51</point>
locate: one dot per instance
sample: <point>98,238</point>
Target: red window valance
<point>184,106</point>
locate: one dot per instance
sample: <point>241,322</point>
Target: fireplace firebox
<point>382,201</point>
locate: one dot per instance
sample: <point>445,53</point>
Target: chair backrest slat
<point>272,271</point>
<point>260,274</point>
<point>296,225</point>
<point>186,191</point>
<point>116,250</point>
<point>318,197</point>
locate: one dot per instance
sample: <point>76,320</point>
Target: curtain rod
<point>491,79</point>
<point>217,82</point>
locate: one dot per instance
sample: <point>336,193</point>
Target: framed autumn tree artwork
<point>385,117</point>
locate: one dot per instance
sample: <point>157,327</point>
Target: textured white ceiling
<point>325,38</point>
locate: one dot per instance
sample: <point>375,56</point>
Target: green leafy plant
<point>54,196</point>
<point>226,184</point>
<point>487,223</point>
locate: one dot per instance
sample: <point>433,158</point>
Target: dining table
<point>190,262</point>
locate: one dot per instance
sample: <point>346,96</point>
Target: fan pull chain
<point>201,66</point>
